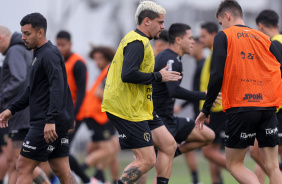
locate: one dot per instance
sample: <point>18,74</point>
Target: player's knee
<point>271,166</point>
<point>21,166</point>
<point>210,136</point>
<point>169,148</point>
<point>149,161</point>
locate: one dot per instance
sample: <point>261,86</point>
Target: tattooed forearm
<point>17,144</point>
<point>41,178</point>
<point>72,178</point>
<point>132,175</point>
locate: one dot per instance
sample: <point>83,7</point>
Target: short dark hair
<point>64,35</point>
<point>147,13</point>
<point>269,18</point>
<point>211,27</point>
<point>107,52</point>
<point>36,20</point>
<point>232,6</point>
<point>177,30</point>
<point>163,36</point>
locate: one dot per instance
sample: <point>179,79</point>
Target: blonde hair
<point>5,31</point>
<point>148,5</point>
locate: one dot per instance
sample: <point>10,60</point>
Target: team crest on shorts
<point>147,136</point>
<point>50,148</point>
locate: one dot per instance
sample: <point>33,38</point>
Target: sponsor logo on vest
<point>247,136</point>
<point>147,136</point>
<point>253,97</point>
<point>149,96</point>
<point>50,148</point>
<point>247,35</point>
<point>64,141</point>
<point>271,131</point>
<point>170,62</point>
<point>26,144</point>
<point>122,136</point>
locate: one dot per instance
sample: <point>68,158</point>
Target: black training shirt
<point>48,95</point>
<point>165,93</point>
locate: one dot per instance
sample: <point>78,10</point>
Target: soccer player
<point>15,77</point>
<point>244,64</point>
<point>267,22</point>
<point>128,98</point>
<point>103,147</point>
<point>164,94</point>
<point>218,118</point>
<point>51,108</point>
<point>77,77</point>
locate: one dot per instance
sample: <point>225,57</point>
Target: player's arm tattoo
<point>132,175</point>
<point>17,144</point>
<point>41,178</point>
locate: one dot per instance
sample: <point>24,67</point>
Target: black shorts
<point>18,135</point>
<point>242,129</point>
<point>100,132</point>
<point>279,118</point>
<point>180,128</point>
<point>4,135</point>
<point>134,135</point>
<point>35,147</point>
<point>217,124</point>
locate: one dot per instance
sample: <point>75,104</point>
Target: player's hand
<point>169,75</point>
<point>201,119</point>
<point>4,118</point>
<point>50,134</point>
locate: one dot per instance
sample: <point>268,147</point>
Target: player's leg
<point>259,167</point>
<point>259,173</point>
<point>241,130</point>
<point>12,162</point>
<point>25,167</point>
<point>215,172</point>
<point>137,137</point>
<point>166,146</point>
<point>269,157</point>
<point>61,168</point>
<point>191,161</point>
<point>3,153</point>
<point>193,137</point>
<point>267,136</point>
<point>235,165</point>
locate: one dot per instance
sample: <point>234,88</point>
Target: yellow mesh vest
<point>279,39</point>
<point>132,102</point>
<point>204,81</point>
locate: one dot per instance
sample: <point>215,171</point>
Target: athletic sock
<point>99,175</point>
<point>161,180</point>
<point>115,181</point>
<point>1,181</point>
<point>77,169</point>
<point>119,182</point>
<point>195,176</point>
<point>177,152</point>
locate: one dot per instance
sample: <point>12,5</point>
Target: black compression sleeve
<point>217,70</point>
<point>79,72</point>
<point>176,91</point>
<point>133,57</point>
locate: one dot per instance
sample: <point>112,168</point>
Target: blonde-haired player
<point>128,98</point>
